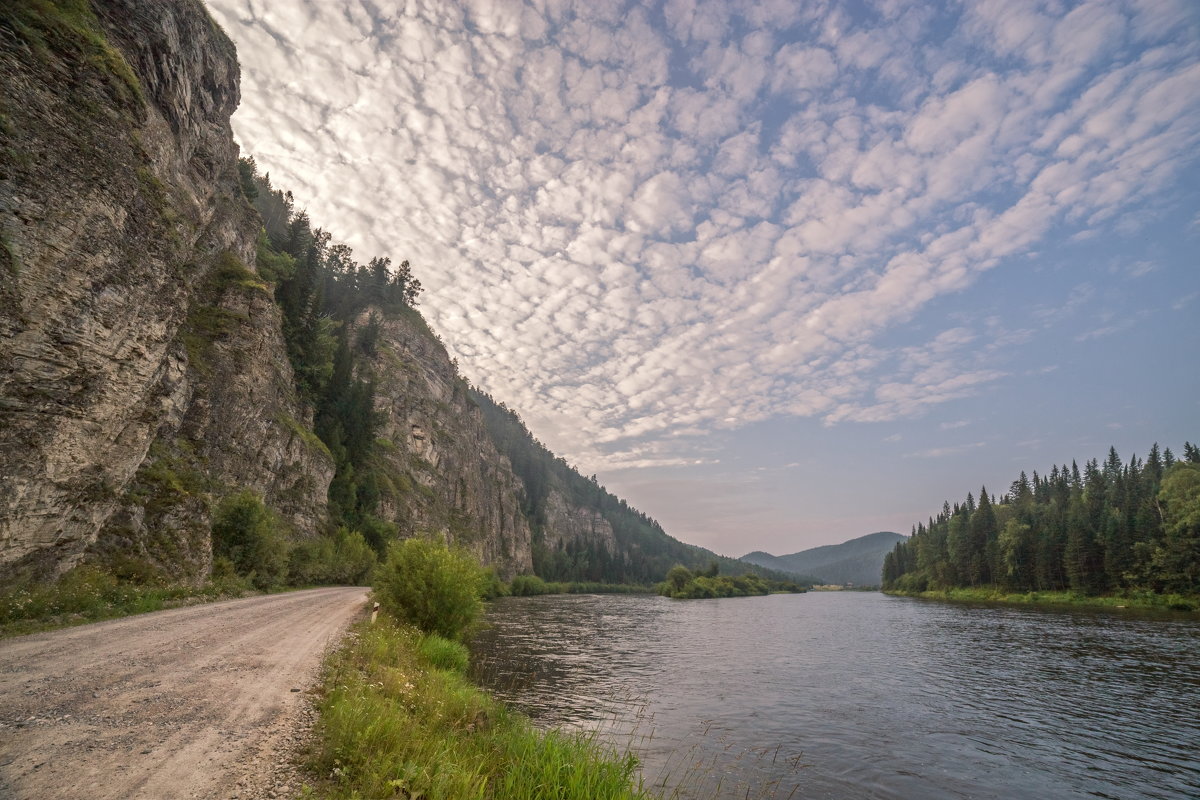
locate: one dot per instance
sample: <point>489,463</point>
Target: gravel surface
<point>207,701</point>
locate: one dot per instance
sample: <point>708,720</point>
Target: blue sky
<point>780,273</point>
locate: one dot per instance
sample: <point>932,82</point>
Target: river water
<point>859,695</point>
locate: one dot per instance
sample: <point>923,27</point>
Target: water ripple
<point>855,695</point>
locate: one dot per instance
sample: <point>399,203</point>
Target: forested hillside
<point>581,532</point>
<point>1110,527</point>
<point>321,289</point>
<point>638,550</point>
<point>410,451</point>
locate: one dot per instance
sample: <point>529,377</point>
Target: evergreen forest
<point>320,289</point>
<point>1110,528</point>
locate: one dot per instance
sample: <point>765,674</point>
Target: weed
<point>90,592</point>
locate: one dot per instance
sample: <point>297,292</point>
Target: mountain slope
<point>178,333</point>
<point>163,351</point>
<point>858,561</point>
<point>582,532</point>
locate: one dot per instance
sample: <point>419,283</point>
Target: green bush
<point>344,558</point>
<point>443,654</point>
<point>431,586</point>
<point>493,587</point>
<point>678,577</point>
<point>528,586</point>
<point>683,584</point>
<point>247,533</point>
<point>90,592</point>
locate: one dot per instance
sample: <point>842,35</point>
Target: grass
<point>399,719</point>
<point>306,435</point>
<point>991,594</point>
<point>89,593</point>
<point>70,27</point>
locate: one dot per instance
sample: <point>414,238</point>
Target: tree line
<point>1115,526</point>
<point>320,289</point>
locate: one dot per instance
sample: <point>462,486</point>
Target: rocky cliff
<point>568,526</point>
<point>142,370</point>
<point>446,476</point>
<point>145,373</point>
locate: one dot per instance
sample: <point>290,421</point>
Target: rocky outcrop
<point>565,525</point>
<point>447,478</point>
<point>143,371</point>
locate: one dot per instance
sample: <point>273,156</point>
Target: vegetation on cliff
<point>69,30</point>
<point>1123,528</point>
<point>320,289</point>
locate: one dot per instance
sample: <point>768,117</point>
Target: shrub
<point>678,577</point>
<point>247,533</point>
<point>431,586</point>
<point>344,558</point>
<point>378,533</point>
<point>528,586</point>
<point>493,587</point>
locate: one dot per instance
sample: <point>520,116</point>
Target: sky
<point>780,273</point>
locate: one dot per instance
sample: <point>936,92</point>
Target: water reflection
<point>861,695</point>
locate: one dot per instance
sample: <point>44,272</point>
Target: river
<point>847,695</point>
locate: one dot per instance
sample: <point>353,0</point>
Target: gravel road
<point>196,702</point>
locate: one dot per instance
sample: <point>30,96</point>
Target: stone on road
<point>194,702</point>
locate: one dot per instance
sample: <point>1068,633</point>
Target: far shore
<point>991,594</point>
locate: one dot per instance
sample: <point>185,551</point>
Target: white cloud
<point>631,231</point>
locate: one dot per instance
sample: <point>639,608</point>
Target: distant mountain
<point>858,561</point>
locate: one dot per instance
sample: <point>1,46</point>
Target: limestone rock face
<point>565,525</point>
<point>448,478</point>
<point>143,370</point>
<point>119,199</point>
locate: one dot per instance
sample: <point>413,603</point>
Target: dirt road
<point>195,702</point>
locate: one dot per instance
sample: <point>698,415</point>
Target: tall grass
<point>395,723</point>
<point>89,593</point>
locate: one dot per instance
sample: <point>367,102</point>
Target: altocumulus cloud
<point>640,222</point>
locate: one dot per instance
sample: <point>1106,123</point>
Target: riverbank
<point>399,718</point>
<point>1132,600</point>
<point>532,586</point>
